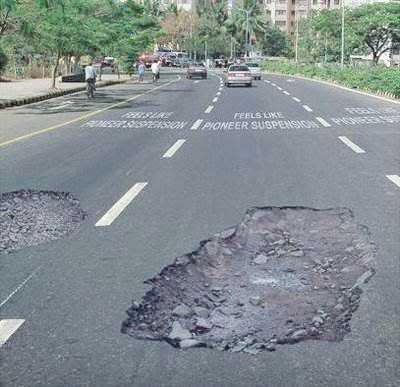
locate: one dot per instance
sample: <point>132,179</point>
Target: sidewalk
<point>25,91</point>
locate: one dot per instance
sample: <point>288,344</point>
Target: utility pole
<point>296,47</point>
<point>191,35</point>
<point>342,51</point>
<point>247,33</point>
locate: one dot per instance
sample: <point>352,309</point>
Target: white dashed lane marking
<point>120,205</point>
<point>196,81</point>
<point>296,99</point>
<point>394,179</point>
<point>323,122</point>
<point>351,144</point>
<point>19,287</point>
<point>215,99</point>
<point>65,104</point>
<point>219,93</point>
<point>279,88</point>
<point>173,149</point>
<point>209,109</point>
<point>286,92</point>
<point>8,328</point>
<point>196,125</point>
<point>306,107</point>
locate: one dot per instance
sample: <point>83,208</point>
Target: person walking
<point>90,78</point>
<point>155,69</point>
<point>141,71</point>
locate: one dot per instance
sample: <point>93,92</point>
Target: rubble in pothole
<point>29,217</point>
<point>283,275</point>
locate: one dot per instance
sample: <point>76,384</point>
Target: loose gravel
<point>283,275</point>
<point>28,218</point>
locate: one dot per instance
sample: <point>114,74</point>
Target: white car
<point>238,75</point>
<point>255,70</point>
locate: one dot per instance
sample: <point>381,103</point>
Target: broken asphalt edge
<point>54,94</point>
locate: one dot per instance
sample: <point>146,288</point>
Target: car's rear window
<point>238,68</point>
<point>198,65</point>
<point>252,65</point>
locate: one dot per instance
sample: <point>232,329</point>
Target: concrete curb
<point>370,93</point>
<point>53,94</point>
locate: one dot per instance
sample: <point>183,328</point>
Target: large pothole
<point>281,276</point>
<point>29,217</point>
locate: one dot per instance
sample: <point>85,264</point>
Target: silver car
<point>238,75</point>
<point>255,70</point>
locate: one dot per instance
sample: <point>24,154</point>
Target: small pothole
<point>29,217</point>
<point>283,275</point>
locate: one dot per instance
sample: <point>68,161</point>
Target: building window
<point>280,23</point>
<point>293,13</point>
<point>280,12</point>
<point>337,2</point>
<point>315,2</point>
<point>293,2</point>
<point>292,23</point>
<point>267,1</point>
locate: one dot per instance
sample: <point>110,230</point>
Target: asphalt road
<point>309,145</point>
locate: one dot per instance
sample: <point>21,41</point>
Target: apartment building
<point>285,13</point>
<point>186,5</point>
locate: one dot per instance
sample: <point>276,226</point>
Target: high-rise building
<point>285,13</point>
<point>186,5</point>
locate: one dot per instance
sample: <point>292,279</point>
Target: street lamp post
<point>248,13</point>
<point>342,49</point>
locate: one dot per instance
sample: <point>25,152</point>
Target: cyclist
<point>155,69</point>
<point>90,77</point>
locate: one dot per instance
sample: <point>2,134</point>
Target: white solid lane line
<point>351,144</point>
<point>296,99</point>
<point>215,99</point>
<point>196,125</point>
<point>171,151</point>
<point>120,205</point>
<point>286,92</point>
<point>307,108</point>
<point>323,122</point>
<point>8,328</point>
<point>209,109</point>
<point>394,179</point>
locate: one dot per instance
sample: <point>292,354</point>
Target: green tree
<point>3,60</point>
<point>375,26</point>
<point>255,24</point>
<point>275,42</point>
<point>7,7</point>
